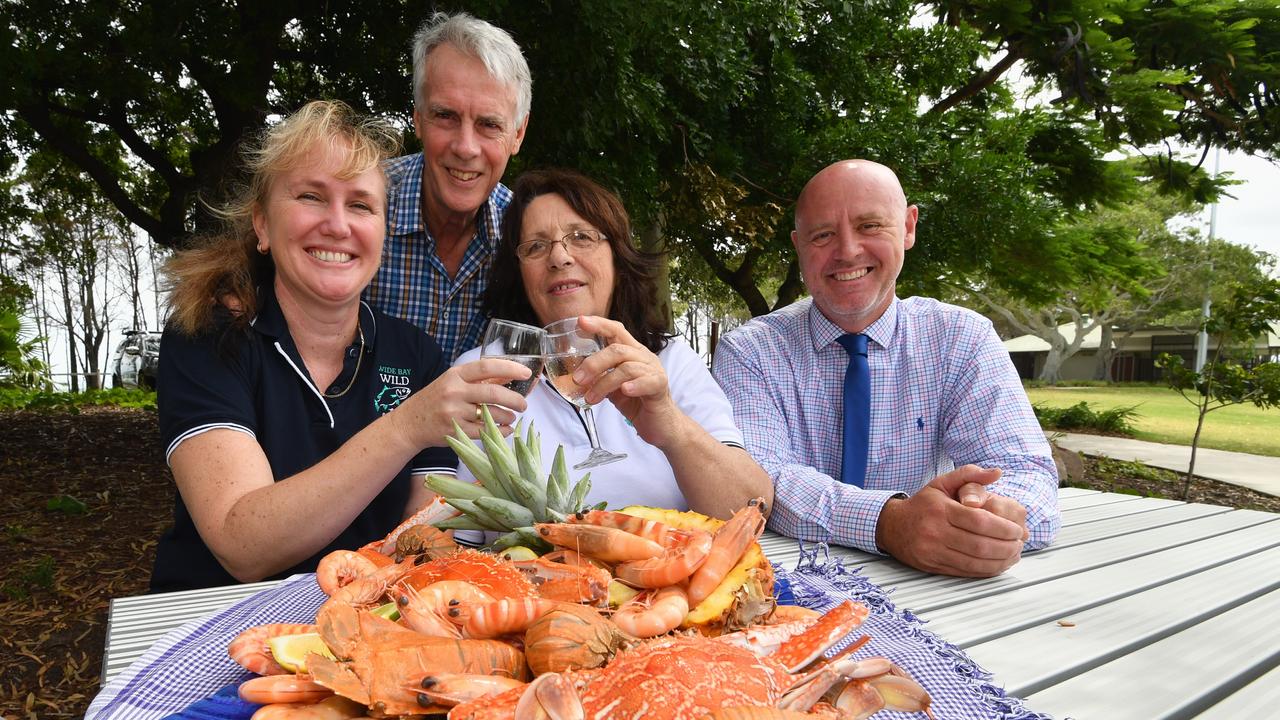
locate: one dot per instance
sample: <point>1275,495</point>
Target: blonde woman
<point>294,425</point>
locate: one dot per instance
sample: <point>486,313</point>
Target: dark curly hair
<point>634,301</point>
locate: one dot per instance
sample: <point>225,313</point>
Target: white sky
<point>1252,217</point>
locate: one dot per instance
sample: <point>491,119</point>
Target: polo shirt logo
<point>395,388</point>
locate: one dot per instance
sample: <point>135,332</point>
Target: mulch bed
<point>83,499</point>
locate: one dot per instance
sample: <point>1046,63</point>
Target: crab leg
<point>804,648</point>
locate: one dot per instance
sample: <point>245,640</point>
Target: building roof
<point>1031,343</point>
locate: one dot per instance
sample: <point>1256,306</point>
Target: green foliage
<point>66,504</point>
<point>706,117</point>
<point>28,576</point>
<point>1230,375</point>
<point>1112,467</point>
<point>48,401</point>
<point>19,366</point>
<point>1080,416</point>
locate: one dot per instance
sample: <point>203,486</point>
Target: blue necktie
<point>857,410</point>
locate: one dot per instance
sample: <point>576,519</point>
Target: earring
<point>264,249</point>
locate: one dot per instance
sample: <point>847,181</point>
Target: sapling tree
<point>1233,373</point>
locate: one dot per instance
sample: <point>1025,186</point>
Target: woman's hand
<point>457,395</point>
<point>632,378</point>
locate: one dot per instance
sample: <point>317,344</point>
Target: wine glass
<point>518,343</point>
<point>566,347</point>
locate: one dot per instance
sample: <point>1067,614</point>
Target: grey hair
<point>492,45</point>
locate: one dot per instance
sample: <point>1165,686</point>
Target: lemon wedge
<point>291,650</point>
<point>516,553</point>
<point>389,611</point>
<point>619,593</point>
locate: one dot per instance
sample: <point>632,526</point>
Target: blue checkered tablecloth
<point>187,673</point>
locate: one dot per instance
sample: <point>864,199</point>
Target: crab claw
<point>550,697</point>
<point>804,648</point>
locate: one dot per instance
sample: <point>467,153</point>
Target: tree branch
<point>37,115</point>
<point>740,280</point>
<point>979,83</point>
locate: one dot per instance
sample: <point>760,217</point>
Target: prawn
<point>652,614</point>
<point>731,541</point>
<point>330,708</point>
<point>686,550</point>
<point>603,543</point>
<point>251,651</point>
<point>283,689</point>
<point>426,610</point>
<point>341,568</point>
<point>457,688</point>
<point>501,617</point>
<point>647,529</point>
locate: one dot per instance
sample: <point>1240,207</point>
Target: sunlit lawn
<point>1164,416</point>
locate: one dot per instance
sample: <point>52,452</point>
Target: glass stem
<point>591,427</point>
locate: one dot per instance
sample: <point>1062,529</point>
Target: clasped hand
<point>954,526</point>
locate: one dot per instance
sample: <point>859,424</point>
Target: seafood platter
<point>571,612</point>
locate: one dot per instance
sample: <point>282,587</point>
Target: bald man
<point>958,478</point>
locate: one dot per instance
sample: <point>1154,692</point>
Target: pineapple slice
<point>743,598</point>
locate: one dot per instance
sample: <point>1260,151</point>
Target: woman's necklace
<point>355,374</point>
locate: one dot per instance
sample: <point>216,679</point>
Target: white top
<point>644,477</point>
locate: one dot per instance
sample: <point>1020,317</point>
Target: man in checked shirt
<point>959,479</point>
<point>472,91</point>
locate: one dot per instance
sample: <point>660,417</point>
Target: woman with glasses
<point>567,252</point>
<point>293,414</point>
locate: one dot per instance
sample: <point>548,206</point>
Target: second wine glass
<point>519,343</point>
<point>566,346</point>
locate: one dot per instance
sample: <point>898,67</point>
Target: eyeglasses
<point>575,241</point>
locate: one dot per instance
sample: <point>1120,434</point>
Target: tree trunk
<point>1106,353</point>
<point>652,241</point>
<point>68,314</point>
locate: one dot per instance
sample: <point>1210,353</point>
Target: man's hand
<point>953,526</point>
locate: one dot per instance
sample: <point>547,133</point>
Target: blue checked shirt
<point>412,283</point>
<point>943,393</point>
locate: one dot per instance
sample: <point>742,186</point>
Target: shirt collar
<point>271,323</point>
<point>404,203</point>
<point>823,332</point>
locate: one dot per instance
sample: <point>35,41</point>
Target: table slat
<point>1178,676</point>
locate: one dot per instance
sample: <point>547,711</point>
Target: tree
<point>708,117</point>
<point>1125,268</point>
<point>73,232</point>
<point>1232,374</point>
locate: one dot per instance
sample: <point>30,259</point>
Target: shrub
<point>46,401</point>
<point>1082,417</point>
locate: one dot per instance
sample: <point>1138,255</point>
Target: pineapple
<point>743,598</point>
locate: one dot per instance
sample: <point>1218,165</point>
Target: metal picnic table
<point>1142,608</point>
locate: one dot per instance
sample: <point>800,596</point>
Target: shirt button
<point>333,390</point>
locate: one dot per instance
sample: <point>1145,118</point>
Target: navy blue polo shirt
<point>255,382</point>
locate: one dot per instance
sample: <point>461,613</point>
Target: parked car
<point>136,360</point>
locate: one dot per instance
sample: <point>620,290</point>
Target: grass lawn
<point>1164,416</point>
